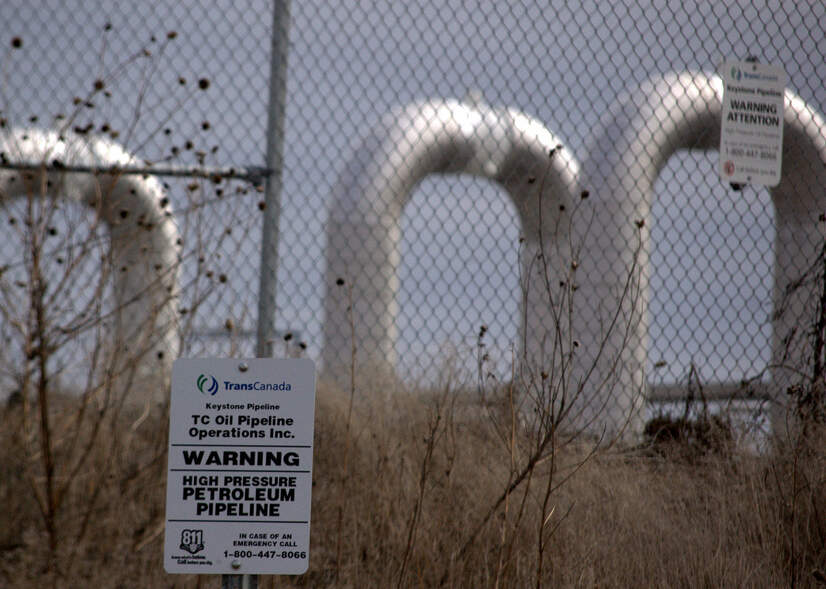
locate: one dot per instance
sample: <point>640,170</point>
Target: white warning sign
<point>751,130</point>
<point>240,466</point>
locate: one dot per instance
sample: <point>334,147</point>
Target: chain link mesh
<point>187,83</point>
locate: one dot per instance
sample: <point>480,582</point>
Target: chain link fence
<point>188,83</point>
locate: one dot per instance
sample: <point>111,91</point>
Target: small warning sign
<point>751,130</point>
<point>240,466</point>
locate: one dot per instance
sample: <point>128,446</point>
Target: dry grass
<point>419,475</point>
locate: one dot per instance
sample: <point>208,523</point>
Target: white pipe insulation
<point>364,233</point>
<point>145,245</point>
<point>643,129</point>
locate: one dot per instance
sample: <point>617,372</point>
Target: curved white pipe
<point>645,127</point>
<point>364,234</point>
<point>144,243</point>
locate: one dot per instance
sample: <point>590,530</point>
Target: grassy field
<point>423,490</point>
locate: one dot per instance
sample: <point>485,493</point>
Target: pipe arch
<point>364,225</point>
<point>643,130</point>
<point>144,242</point>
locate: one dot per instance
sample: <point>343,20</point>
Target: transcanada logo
<point>207,384</point>
<point>257,386</point>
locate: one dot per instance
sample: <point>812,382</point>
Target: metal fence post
<point>272,209</point>
<point>275,153</point>
<point>239,582</point>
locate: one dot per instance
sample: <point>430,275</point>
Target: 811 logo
<point>192,540</point>
<point>207,384</point>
